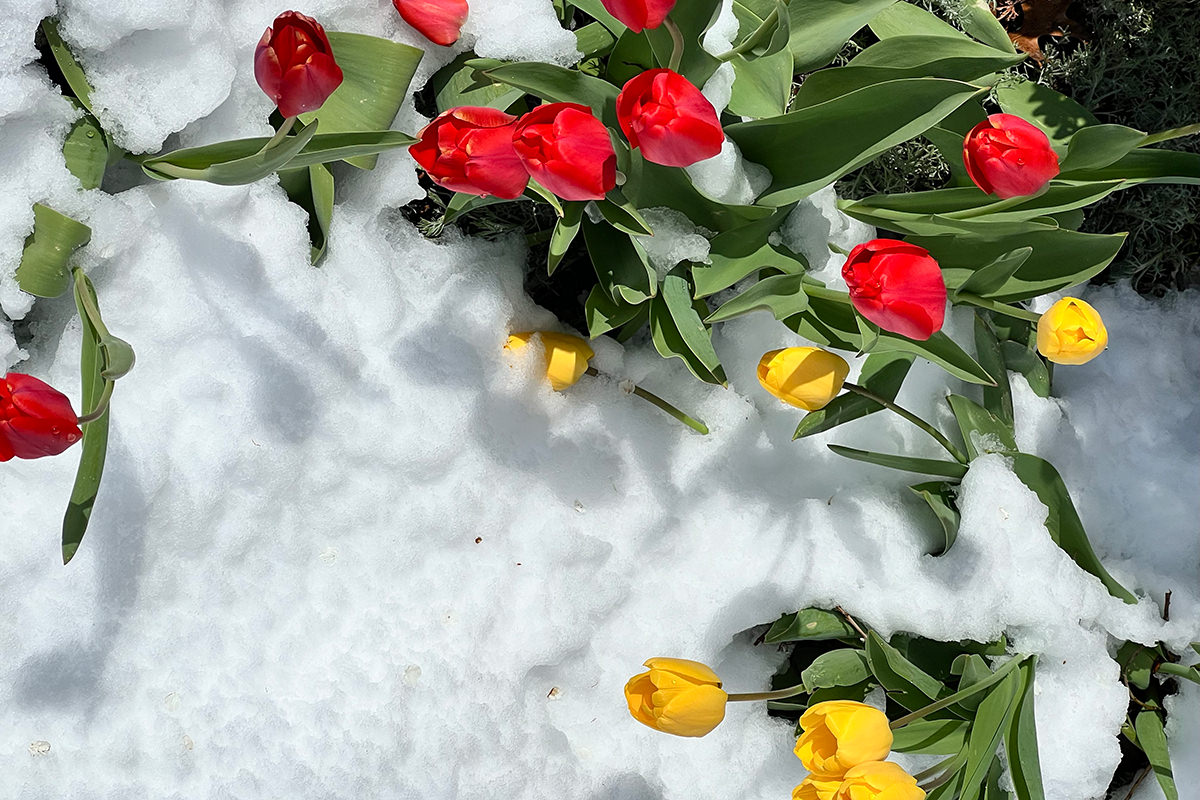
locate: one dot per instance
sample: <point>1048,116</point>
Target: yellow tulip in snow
<point>805,377</point>
<point>841,734</point>
<point>677,696</point>
<point>567,356</point>
<point>1071,332</point>
<point>817,787</point>
<point>878,780</point>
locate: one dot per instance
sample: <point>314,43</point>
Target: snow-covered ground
<point>346,548</point>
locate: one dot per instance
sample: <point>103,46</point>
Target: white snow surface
<point>347,548</point>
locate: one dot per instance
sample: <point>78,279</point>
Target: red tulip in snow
<point>639,14</point>
<point>667,117</point>
<point>898,286</point>
<point>294,64</point>
<point>1008,157</point>
<point>470,149</point>
<point>567,150</point>
<point>35,418</point>
<point>439,21</point>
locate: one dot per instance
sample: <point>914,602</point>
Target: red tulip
<point>639,14</point>
<point>1008,157</point>
<point>35,418</point>
<point>567,150</point>
<point>898,286</point>
<point>439,21</point>
<point>667,117</point>
<point>470,149</point>
<point>294,64</point>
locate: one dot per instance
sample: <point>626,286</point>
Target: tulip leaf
<point>906,19</point>
<point>993,275</point>
<point>621,214</point>
<point>996,399</point>
<point>654,186</point>
<point>979,20</point>
<point>1026,361</point>
<point>738,252</point>
<point>678,331</point>
<point>67,64</point>
<point>535,191</point>
<point>631,57</point>
<point>565,230</point>
<point>845,667</point>
<point>1147,166</point>
<point>1020,740</point>
<point>882,374</point>
<point>987,731</point>
<point>982,431</point>
<point>1137,663</point>
<point>768,35</point>
<point>820,28</point>
<point>940,497</point>
<point>693,19</point>
<point>904,681</point>
<point>924,466</point>
<point>620,263</point>
<point>457,84</point>
<point>311,188</point>
<point>44,270</point>
<point>1100,145</point>
<point>1056,114</point>
<point>86,152</point>
<point>931,736</point>
<point>461,203</point>
<point>1152,739</point>
<point>782,295</point>
<point>556,84</point>
<point>762,84</point>
<point>594,40</point>
<point>596,10</point>
<point>1191,673</point>
<point>810,625</point>
<point>604,315</point>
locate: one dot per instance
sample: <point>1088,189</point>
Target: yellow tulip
<point>817,787</point>
<point>567,356</point>
<point>1071,332</point>
<point>840,734</point>
<point>805,377</point>
<point>677,696</point>
<point>879,780</point>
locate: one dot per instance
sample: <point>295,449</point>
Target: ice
<point>525,30</point>
<point>675,239</point>
<point>814,225</point>
<point>728,177</point>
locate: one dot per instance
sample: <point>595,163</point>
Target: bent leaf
<point>810,624</point>
<point>925,466</point>
<point>782,295</point>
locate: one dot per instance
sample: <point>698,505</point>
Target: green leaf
<point>654,186</point>
<point>924,466</point>
<point>556,84</point>
<point>992,276</point>
<point>820,28</point>
<point>846,667</point>
<point>810,625</point>
<point>1020,740</point>
<point>461,203</point>
<point>604,315</point>
<point>1146,166</point>
<point>882,374</point>
<point>1137,663</point>
<point>45,270</point>
<point>981,427</point>
<point>631,57</point>
<point>906,19</point>
<point>768,35</point>
<point>745,249</point>
<point>693,18</point>
<point>678,331</point>
<point>535,191</point>
<point>782,295</point>
<point>1180,671</point>
<point>565,230</point>
<point>980,21</point>
<point>1056,114</point>
<point>457,84</point>
<point>594,40</point>
<point>940,497</point>
<point>996,399</point>
<point>376,74</point>
<point>311,188</point>
<point>1062,521</point>
<point>762,87</point>
<point>987,731</point>
<point>1153,741</point>
<point>68,64</point>
<point>596,10</point>
<point>1100,145</point>
<point>85,151</point>
<point>931,736</point>
<point>620,264</point>
<point>905,682</point>
<point>974,670</point>
<point>1026,361</point>
<point>621,214</point>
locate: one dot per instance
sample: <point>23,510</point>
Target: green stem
<point>958,696</point>
<point>911,417</point>
<point>676,44</point>
<point>950,765</point>
<point>89,305</point>
<point>658,402</point>
<point>991,208</point>
<point>841,251</point>
<point>284,129</point>
<point>750,43</point>
<point>778,694</point>
<point>101,405</point>
<point>998,307</point>
<point>1172,133</point>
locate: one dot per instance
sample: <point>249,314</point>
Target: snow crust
<point>347,548</point>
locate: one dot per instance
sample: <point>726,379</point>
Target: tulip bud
<point>677,696</point>
<point>669,119</point>
<point>294,64</point>
<point>567,356</point>
<point>470,149</point>
<point>439,21</point>
<point>805,377</point>
<point>1071,332</point>
<point>898,286</point>
<point>567,150</point>
<point>639,14</point>
<point>840,734</point>
<point>817,787</point>
<point>1008,157</point>
<point>878,780</point>
<point>35,419</point>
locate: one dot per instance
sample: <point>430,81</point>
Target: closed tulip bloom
<point>439,21</point>
<point>898,286</point>
<point>639,14</point>
<point>1008,157</point>
<point>664,115</point>
<point>470,149</point>
<point>567,150</point>
<point>1071,332</point>
<point>817,787</point>
<point>294,64</point>
<point>35,419</point>
<point>840,734</point>
<point>805,377</point>
<point>567,356</point>
<point>878,780</point>
<point>677,696</point>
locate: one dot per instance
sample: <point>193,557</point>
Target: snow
<point>346,548</point>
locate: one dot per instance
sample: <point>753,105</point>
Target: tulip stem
<point>998,307</point>
<point>676,44</point>
<point>89,304</point>
<point>285,128</point>
<point>658,402</point>
<point>911,417</point>
<point>778,694</point>
<point>990,208</point>
<point>101,405</point>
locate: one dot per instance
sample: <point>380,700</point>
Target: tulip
<point>1071,332</point>
<point>439,21</point>
<point>677,696</point>
<point>567,356</point>
<point>840,734</point>
<point>470,149</point>
<point>35,418</point>
<point>639,14</point>
<point>666,116</point>
<point>817,787</point>
<point>805,377</point>
<point>878,780</point>
<point>1008,157</point>
<point>567,150</point>
<point>898,286</point>
<point>294,64</point>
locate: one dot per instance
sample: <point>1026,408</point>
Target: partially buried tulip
<point>840,734</point>
<point>817,787</point>
<point>664,115</point>
<point>1008,157</point>
<point>294,64</point>
<point>898,286</point>
<point>567,150</point>
<point>35,418</point>
<point>677,696</point>
<point>439,21</point>
<point>639,14</point>
<point>878,780</point>
<point>1071,332</point>
<point>567,356</point>
<point>805,377</point>
<point>470,149</point>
